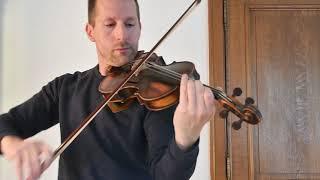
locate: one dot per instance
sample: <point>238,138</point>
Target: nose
<point>121,33</point>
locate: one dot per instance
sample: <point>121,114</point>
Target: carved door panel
<point>273,54</point>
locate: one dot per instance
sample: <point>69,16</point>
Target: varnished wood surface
<point>273,55</point>
<point>217,74</point>
<point>288,66</point>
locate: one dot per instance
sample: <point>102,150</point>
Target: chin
<point>120,61</point>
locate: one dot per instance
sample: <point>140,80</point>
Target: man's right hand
<point>29,157</point>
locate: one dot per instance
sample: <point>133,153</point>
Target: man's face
<point>116,31</point>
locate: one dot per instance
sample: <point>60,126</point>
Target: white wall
<point>40,40</point>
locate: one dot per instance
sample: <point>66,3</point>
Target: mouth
<point>122,50</point>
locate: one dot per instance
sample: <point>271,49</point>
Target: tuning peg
<point>237,124</point>
<point>249,101</point>
<point>224,113</point>
<point>236,92</point>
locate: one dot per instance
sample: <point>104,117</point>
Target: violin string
<point>177,76</point>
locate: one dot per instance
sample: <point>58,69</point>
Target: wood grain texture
<point>217,79</point>
<point>273,55</point>
<point>236,77</point>
<point>288,65</point>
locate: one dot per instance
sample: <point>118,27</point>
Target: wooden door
<point>273,53</point>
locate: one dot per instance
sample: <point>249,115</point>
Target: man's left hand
<point>196,107</point>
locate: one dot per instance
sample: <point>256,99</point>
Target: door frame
<point>218,167</point>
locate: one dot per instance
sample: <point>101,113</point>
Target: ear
<point>140,29</point>
<point>140,25</point>
<point>90,32</point>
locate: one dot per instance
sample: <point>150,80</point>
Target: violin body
<point>150,86</point>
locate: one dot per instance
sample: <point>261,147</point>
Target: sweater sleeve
<point>166,159</point>
<point>34,115</point>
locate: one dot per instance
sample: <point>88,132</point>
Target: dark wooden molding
<point>216,79</point>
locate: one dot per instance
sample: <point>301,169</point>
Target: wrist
<point>184,143</point>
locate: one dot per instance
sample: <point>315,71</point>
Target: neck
<point>104,69</point>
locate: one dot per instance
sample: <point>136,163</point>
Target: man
<point>132,144</point>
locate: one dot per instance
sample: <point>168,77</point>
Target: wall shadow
<point>3,4</point>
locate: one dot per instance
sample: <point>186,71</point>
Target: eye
<point>130,25</point>
<point>110,25</point>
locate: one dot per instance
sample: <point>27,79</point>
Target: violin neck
<point>218,94</point>
<point>172,77</point>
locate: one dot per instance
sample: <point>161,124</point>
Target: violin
<point>156,86</point>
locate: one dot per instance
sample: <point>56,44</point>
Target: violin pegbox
<point>246,112</point>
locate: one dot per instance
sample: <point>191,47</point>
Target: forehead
<point>116,9</point>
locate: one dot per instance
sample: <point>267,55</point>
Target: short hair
<point>91,10</point>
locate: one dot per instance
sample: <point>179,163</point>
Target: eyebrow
<point>126,19</point>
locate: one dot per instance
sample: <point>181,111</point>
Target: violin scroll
<point>246,112</point>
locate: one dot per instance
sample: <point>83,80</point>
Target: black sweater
<point>135,144</point>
